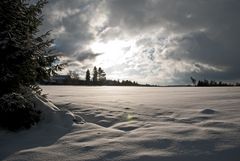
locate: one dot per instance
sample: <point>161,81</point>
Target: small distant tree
<point>206,82</point>
<point>95,75</point>
<point>88,77</point>
<point>193,81</point>
<point>101,75</point>
<point>213,83</point>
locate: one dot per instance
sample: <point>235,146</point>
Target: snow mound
<point>53,125</point>
<point>52,114</point>
<point>127,126</point>
<point>208,111</point>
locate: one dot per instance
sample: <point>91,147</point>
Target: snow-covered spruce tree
<point>25,59</point>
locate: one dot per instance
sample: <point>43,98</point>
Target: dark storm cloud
<point>70,22</point>
<point>175,39</point>
<point>200,47</point>
<point>181,15</point>
<point>87,55</point>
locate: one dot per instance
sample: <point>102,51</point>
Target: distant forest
<point>211,83</point>
<point>96,78</point>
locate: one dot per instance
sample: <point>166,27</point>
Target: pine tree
<point>101,75</point>
<point>193,81</point>
<point>95,75</point>
<point>26,57</point>
<point>88,77</point>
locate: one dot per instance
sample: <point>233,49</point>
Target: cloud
<point>169,40</point>
<point>70,22</point>
<point>87,55</point>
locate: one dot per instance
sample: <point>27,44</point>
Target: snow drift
<point>54,124</point>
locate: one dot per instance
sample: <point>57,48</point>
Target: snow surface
<point>131,123</point>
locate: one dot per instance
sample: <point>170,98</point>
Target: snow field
<point>132,123</point>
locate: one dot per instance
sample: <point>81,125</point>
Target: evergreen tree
<point>95,75</point>
<point>88,77</point>
<point>193,81</point>
<point>101,75</point>
<point>26,57</point>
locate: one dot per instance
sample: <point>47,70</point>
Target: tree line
<point>97,77</point>
<point>211,83</point>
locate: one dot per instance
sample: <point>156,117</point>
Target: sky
<point>148,41</point>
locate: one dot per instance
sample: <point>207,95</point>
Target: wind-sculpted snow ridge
<point>54,124</point>
<point>167,124</point>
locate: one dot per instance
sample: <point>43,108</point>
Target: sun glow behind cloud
<point>112,52</point>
